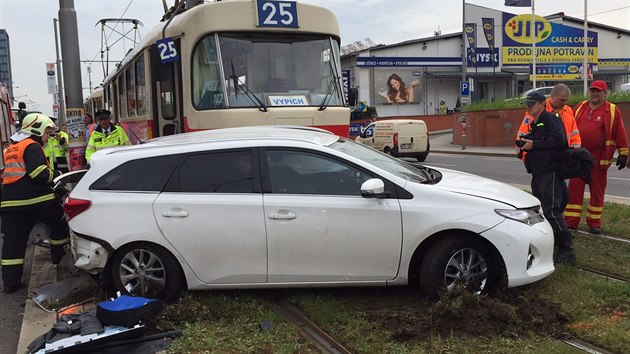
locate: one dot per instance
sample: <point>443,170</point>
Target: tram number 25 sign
<point>167,49</point>
<point>277,13</point>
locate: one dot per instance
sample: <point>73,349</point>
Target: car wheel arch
<point>180,275</point>
<point>426,245</point>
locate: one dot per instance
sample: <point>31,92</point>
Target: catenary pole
<point>533,34</point>
<point>585,63</point>
<point>60,97</point>
<point>73,88</point>
<point>461,98</point>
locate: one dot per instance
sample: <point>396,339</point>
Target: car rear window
<point>142,175</point>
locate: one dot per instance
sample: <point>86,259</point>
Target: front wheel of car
<point>146,270</point>
<point>454,262</point>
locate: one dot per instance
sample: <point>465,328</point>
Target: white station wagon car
<point>262,207</point>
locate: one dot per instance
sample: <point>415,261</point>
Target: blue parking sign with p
<point>464,88</point>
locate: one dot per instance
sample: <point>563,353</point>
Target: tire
<point>387,150</point>
<point>423,156</point>
<point>445,266</point>
<point>147,270</point>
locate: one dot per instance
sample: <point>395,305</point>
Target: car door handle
<point>283,215</point>
<point>175,213</point>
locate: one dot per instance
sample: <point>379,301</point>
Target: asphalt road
<point>511,170</point>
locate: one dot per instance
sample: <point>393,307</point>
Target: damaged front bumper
<point>89,254</point>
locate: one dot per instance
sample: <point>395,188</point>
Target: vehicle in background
<point>545,91</point>
<point>625,87</point>
<point>398,137</point>
<point>268,207</point>
<point>262,67</point>
<point>95,101</point>
<point>7,118</point>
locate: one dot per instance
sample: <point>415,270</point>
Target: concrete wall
<point>499,128</point>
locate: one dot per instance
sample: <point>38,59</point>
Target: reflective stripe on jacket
<point>98,140</point>
<point>14,165</point>
<point>568,120</point>
<point>614,133</point>
<point>27,180</point>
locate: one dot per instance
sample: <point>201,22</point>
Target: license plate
<point>405,146</point>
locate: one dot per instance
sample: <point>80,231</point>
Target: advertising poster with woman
<point>400,87</point>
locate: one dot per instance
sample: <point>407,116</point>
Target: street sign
<point>465,99</point>
<point>464,88</point>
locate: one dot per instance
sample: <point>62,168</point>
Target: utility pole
<point>72,79</point>
<point>462,105</point>
<point>60,97</point>
<point>89,71</point>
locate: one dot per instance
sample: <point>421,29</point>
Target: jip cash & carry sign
<point>555,43</point>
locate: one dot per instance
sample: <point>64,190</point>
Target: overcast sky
<point>29,24</point>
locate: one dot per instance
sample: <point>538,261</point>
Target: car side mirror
<point>373,188</point>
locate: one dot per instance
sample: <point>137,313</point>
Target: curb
<point>36,321</point>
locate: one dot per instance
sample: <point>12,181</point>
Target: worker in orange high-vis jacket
<point>602,131</point>
<point>556,103</point>
<point>27,197</point>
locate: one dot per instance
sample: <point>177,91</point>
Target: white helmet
<point>36,124</point>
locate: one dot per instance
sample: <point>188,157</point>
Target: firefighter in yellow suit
<point>28,197</point>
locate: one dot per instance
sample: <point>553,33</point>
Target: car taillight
<point>74,206</point>
<point>395,139</point>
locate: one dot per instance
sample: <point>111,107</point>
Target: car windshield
<point>381,160</point>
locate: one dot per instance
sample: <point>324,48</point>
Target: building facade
<point>5,61</point>
<point>422,76</point>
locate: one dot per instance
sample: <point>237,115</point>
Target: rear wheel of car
<point>456,261</point>
<point>146,270</point>
<point>387,150</point>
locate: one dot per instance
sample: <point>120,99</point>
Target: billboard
<point>555,43</point>
<point>400,86</point>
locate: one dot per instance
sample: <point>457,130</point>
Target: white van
<point>398,137</point>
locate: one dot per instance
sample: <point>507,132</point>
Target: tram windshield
<point>264,70</point>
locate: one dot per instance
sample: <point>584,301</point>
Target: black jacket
<point>550,141</point>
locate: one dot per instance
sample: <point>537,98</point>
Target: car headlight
<point>528,216</point>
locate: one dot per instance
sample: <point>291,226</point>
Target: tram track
<point>585,233</point>
<point>585,346</point>
<point>324,342</point>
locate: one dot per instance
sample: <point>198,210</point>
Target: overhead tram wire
<point>107,39</point>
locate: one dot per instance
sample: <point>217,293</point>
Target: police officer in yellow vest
<point>105,135</point>
<point>28,197</point>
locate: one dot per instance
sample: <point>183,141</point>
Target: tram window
<point>131,94</point>
<point>207,89</point>
<point>167,99</point>
<point>121,96</point>
<point>140,87</point>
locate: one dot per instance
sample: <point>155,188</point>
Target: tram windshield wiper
<point>329,91</point>
<point>252,96</point>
